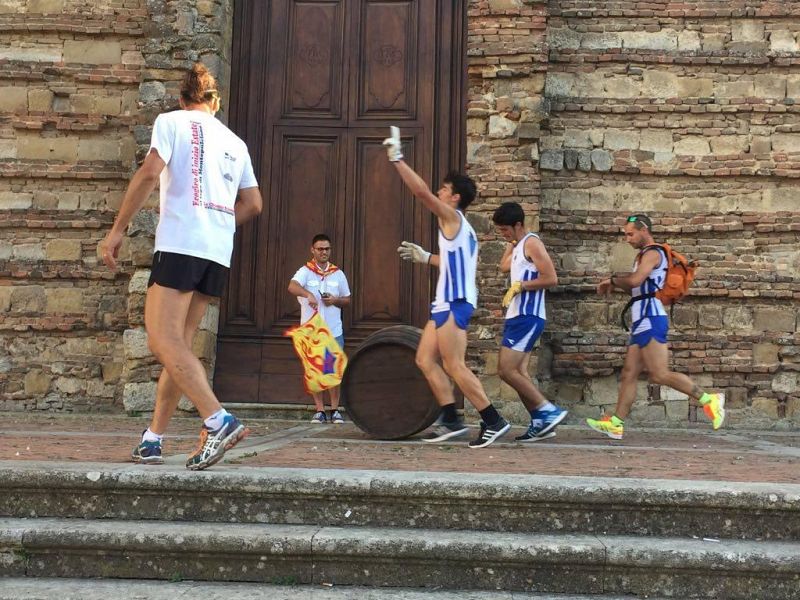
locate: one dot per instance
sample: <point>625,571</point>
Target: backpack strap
<point>625,310</point>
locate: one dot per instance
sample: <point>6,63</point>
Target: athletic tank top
<point>649,307</point>
<point>528,303</point>
<point>458,266</point>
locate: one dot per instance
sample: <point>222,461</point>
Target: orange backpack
<point>680,274</point>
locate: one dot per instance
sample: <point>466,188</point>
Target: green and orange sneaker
<point>612,426</point>
<point>714,407</point>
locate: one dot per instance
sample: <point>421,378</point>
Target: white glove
<point>414,253</point>
<point>394,150</point>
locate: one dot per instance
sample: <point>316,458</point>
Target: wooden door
<point>315,86</point>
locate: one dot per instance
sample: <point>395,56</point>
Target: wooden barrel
<point>384,392</point>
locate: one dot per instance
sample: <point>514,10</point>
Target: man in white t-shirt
<point>321,286</point>
<point>207,188</point>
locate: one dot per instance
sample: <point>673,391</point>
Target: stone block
<point>112,371</point>
<point>574,199</point>
<point>577,138</point>
<point>476,126</point>
<point>140,250</point>
<point>13,99</point>
<point>735,89</point>
<point>771,85</point>
<point>729,144</point>
<point>138,282</point>
<point>94,52</point>
<point>765,353</point>
<point>785,382</point>
<point>28,252</point>
<point>783,40</point>
<point>108,105</point>
<point>592,315</point>
<point>713,41</point>
<point>204,344</point>
<point>31,53</point>
<point>137,397</point>
<point>694,87</point>
<point>601,41</point>
<point>15,200</point>
<point>602,391</point>
<point>529,131</point>
<point>616,139</point>
<point>692,146</point>
<point>596,136</point>
<point>5,297</point>
<point>747,30</point>
<point>602,160</point>
<point>793,86</point>
<point>666,39</point>
<point>570,159</point>
<point>563,38</point>
<point>37,382</point>
<point>655,140</point>
<point>134,342</point>
<point>736,317</point>
<point>104,149</point>
<point>551,160</point>
<point>620,87</point>
<point>774,319</point>
<point>688,40</point>
<point>501,127</point>
<point>44,7</point>
<point>152,91</point>
<point>63,250</point>
<point>761,145</point>
<point>786,142</point>
<point>659,84</point>
<point>765,407</point>
<point>69,385</point>
<point>38,148</point>
<point>622,257</point>
<point>585,161</point>
<point>677,410</point>
<point>648,413</point>
<point>64,300</point>
<point>6,250</point>
<point>559,84</point>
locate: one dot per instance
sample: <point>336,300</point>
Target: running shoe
<point>443,430</point>
<point>609,425</point>
<point>715,410</point>
<point>214,444</point>
<point>337,418</point>
<point>489,435</point>
<point>319,417</point>
<point>147,453</point>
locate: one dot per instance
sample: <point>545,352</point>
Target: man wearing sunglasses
<point>647,348</point>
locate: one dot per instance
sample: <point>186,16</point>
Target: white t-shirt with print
<point>335,284</point>
<point>207,165</point>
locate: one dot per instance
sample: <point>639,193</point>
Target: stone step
<point>512,503</point>
<point>16,588</point>
<point>381,557</point>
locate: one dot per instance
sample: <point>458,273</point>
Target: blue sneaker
<point>214,444</point>
<point>542,425</point>
<point>319,417</point>
<point>147,453</point>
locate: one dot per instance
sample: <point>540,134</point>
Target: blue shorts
<point>522,332</point>
<point>649,328</point>
<point>462,312</point>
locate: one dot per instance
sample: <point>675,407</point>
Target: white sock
<point>149,436</point>
<point>548,407</point>
<point>216,420</point>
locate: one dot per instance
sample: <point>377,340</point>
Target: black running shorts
<point>188,273</point>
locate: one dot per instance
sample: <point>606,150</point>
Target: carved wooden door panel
<point>316,83</point>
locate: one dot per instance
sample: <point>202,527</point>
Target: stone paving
<point>697,454</point>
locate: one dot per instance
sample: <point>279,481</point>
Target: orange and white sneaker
<point>611,426</point>
<point>213,444</point>
<point>714,409</point>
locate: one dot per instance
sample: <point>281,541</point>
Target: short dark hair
<point>463,186</point>
<point>509,213</point>
<point>640,221</point>
<point>320,237</point>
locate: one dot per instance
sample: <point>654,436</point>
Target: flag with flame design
<point>323,359</point>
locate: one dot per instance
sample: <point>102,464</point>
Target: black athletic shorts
<point>188,273</point>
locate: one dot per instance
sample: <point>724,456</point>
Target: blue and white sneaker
<point>319,417</point>
<point>214,444</point>
<point>147,453</point>
<point>543,424</point>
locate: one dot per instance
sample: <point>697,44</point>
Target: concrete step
<point>511,503</point>
<point>378,557</point>
<point>14,588</point>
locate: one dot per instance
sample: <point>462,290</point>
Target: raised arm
<point>505,261</point>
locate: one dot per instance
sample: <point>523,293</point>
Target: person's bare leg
<point>319,401</point>
<point>512,368</point>
<point>631,369</point>
<point>165,314</point>
<point>168,394</point>
<point>656,360</point>
<point>452,343</point>
<point>428,363</point>
<point>334,396</point>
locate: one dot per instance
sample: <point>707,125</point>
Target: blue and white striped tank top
<point>649,307</point>
<point>528,303</point>
<point>458,266</point>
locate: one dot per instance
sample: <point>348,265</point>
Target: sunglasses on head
<point>639,219</point>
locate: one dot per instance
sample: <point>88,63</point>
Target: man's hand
<point>108,249</point>
<point>394,149</point>
<point>516,288</point>
<point>312,301</point>
<point>329,300</point>
<point>605,287</point>
<point>414,253</point>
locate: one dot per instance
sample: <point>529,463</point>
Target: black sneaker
<point>489,435</point>
<point>444,431</point>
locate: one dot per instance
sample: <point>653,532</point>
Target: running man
<point>532,272</point>
<point>445,334</point>
<point>647,348</point>
<point>207,188</point>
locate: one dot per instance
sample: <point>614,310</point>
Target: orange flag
<point>323,360</point>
